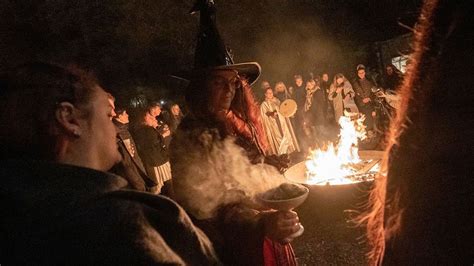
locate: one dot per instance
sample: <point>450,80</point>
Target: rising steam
<point>208,173</point>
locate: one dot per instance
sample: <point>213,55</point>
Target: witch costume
<point>204,151</point>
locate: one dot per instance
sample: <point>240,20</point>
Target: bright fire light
<point>333,164</point>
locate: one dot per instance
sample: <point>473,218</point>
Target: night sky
<point>138,43</point>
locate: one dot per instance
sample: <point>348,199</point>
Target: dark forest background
<point>134,45</point>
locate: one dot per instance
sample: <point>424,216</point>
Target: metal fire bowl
<point>297,173</point>
<point>329,202</point>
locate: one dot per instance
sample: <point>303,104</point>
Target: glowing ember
<point>336,165</point>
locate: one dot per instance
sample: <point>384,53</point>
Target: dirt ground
<point>329,239</point>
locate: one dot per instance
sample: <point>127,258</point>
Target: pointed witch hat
<point>211,52</point>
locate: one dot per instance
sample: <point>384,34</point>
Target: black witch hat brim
<point>251,71</point>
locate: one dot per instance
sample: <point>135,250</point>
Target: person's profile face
<point>155,111</point>
<point>298,82</point>
<point>222,85</point>
<point>361,73</point>
<point>101,132</point>
<point>123,117</point>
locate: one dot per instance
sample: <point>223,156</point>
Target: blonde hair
<point>280,84</point>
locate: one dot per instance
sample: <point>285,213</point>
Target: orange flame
<point>333,164</point>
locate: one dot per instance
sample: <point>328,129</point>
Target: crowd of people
<point>79,186</point>
<point>144,146</point>
<point>78,135</point>
<point>319,104</point>
<point>60,205</point>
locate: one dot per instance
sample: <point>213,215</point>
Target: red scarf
<point>275,254</point>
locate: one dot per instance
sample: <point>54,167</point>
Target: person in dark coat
<point>131,167</point>
<point>152,148</point>
<point>174,118</point>
<point>315,112</point>
<point>318,106</point>
<point>325,85</point>
<point>59,206</point>
<point>365,97</point>
<point>391,78</point>
<point>422,211</point>
<point>155,110</point>
<point>299,91</point>
<point>299,95</point>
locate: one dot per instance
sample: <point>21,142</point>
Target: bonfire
<point>339,163</point>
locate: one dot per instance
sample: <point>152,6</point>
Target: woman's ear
<point>67,117</point>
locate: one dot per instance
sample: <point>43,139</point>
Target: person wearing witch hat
<point>215,145</point>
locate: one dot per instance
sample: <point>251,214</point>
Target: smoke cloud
<point>289,37</point>
<point>208,173</point>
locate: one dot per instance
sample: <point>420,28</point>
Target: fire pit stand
<point>328,238</point>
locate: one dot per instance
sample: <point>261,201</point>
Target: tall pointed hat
<point>211,52</point>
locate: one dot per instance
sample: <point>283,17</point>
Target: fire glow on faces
<point>299,82</point>
<point>222,85</point>
<point>155,111</point>
<point>175,110</point>
<point>269,94</point>
<point>325,77</point>
<point>123,117</point>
